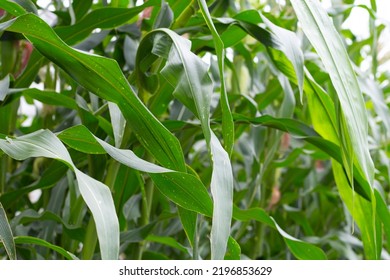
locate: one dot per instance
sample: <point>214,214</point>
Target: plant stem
<point>147,192</point>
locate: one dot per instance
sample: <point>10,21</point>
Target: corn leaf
<point>188,74</point>
<point>106,80</point>
<point>6,236</point>
<point>97,196</point>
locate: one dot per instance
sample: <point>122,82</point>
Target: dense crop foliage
<point>192,129</point>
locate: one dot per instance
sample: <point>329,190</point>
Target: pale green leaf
<point>6,236</point>
<point>97,196</point>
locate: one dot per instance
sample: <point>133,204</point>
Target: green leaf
<point>28,5</point>
<point>227,119</point>
<point>104,18</point>
<point>233,250</point>
<point>46,97</point>
<point>48,178</point>
<point>300,249</point>
<point>81,7</point>
<point>169,241</point>
<point>97,196</point>
<point>103,77</point>
<point>81,140</point>
<point>350,110</point>
<point>383,214</point>
<point>6,236</point>
<point>184,189</point>
<point>188,74</point>
<point>12,7</point>
<point>164,18</point>
<point>40,242</point>
<point>362,212</point>
<point>319,29</point>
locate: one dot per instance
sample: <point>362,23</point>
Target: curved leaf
<point>97,196</point>
<point>300,249</point>
<point>40,242</point>
<point>106,80</point>
<point>188,74</point>
<point>184,189</point>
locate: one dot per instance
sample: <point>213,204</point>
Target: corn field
<point>193,129</point>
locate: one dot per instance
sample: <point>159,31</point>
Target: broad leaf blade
<point>103,77</point>
<point>184,189</point>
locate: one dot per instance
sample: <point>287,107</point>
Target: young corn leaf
<point>97,196</point>
<point>6,236</point>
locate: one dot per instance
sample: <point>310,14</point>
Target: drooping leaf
<point>301,250</point>
<point>188,74</point>
<point>37,241</point>
<point>113,87</point>
<point>97,196</point>
<point>184,189</point>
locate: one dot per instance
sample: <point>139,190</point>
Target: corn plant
<point>192,129</point>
